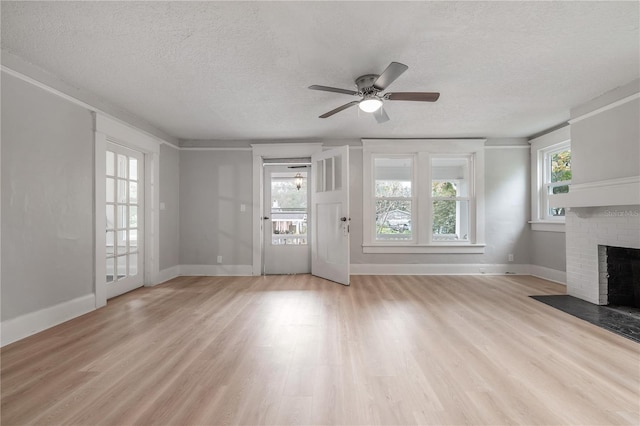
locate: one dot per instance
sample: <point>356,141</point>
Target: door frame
<point>261,152</point>
<point>112,130</point>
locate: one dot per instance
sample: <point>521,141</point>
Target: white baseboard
<point>549,274</point>
<point>217,270</point>
<point>166,275</point>
<point>438,269</point>
<point>25,325</point>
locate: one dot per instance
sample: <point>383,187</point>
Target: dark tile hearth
<point>624,321</point>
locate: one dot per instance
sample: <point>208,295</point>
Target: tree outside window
<point>558,177</point>
<point>393,198</point>
<point>444,211</point>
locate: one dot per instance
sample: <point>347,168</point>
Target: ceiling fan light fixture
<point>371,104</point>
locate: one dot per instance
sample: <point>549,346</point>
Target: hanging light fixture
<point>298,179</point>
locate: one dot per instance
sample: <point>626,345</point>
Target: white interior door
<point>330,215</point>
<point>124,219</point>
<point>285,220</point>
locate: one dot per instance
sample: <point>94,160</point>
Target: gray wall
<point>47,199</point>
<point>26,68</point>
<point>548,249</point>
<point>213,185</point>
<point>507,210</point>
<point>605,146</point>
<point>170,215</point>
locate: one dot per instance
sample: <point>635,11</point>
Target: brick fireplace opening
<point>619,271</point>
<point>589,230</point>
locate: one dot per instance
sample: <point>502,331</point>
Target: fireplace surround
<point>589,230</point>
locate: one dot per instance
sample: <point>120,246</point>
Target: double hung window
<point>394,198</point>
<point>451,198</point>
<point>551,174</point>
<point>557,178</point>
<point>423,196</point>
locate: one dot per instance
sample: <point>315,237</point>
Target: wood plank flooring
<point>444,350</point>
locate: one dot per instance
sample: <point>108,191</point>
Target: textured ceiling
<point>240,70</point>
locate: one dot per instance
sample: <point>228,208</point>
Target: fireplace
<point>620,271</point>
<point>589,231</point>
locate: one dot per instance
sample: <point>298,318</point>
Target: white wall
<point>47,199</point>
<point>170,207</point>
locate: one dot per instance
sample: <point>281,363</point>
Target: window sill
<point>547,226</point>
<point>424,248</point>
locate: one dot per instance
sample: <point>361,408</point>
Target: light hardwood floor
<point>301,350</point>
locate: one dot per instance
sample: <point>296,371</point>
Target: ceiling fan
<point>369,88</point>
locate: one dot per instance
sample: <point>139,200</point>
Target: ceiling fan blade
<point>381,116</point>
<point>413,96</point>
<point>333,89</point>
<point>340,108</point>
<point>388,76</point>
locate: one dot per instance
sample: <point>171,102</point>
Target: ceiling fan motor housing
<point>365,83</point>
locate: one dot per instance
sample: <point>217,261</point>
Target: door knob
<point>343,219</point>
<point>265,218</point>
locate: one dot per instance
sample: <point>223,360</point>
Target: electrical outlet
<point>243,207</point>
<point>219,259</point>
<point>510,257</point>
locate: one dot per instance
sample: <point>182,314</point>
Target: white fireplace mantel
<point>613,192</point>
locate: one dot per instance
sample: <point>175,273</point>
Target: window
<point>393,198</point>
<point>423,196</point>
<point>551,174</point>
<point>557,177</point>
<point>288,207</point>
<point>450,195</point>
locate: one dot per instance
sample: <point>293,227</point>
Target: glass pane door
<point>286,200</point>
<point>123,219</point>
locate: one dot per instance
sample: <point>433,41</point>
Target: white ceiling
<point>240,70</point>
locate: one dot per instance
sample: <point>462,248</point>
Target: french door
<point>124,219</point>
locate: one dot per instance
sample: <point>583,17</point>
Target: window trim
<point>424,150</point>
<point>541,147</point>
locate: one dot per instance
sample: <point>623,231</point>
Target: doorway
<point>124,219</point>
<point>286,221</point>
<point>328,219</point>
